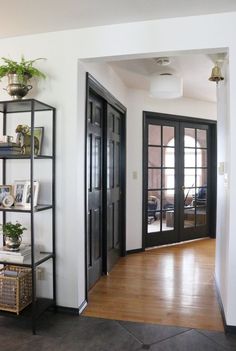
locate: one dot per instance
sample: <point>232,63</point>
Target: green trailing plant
<point>24,69</point>
<point>13,231</point>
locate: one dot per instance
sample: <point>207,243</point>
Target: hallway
<point>170,286</point>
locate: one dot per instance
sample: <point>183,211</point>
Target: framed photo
<point>27,193</point>
<point>19,192</point>
<point>38,133</point>
<point>5,190</point>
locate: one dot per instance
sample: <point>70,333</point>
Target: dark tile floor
<point>61,332</point>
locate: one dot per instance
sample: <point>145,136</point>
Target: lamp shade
<point>166,86</point>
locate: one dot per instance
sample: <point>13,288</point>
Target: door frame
<point>212,124</point>
<point>92,85</point>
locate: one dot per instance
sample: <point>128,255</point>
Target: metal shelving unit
<point>38,305</point>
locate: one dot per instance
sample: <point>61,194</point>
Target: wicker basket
<point>15,292</point>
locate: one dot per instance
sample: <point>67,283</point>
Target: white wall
<point>147,39</point>
<point>223,152</point>
<point>139,101</point>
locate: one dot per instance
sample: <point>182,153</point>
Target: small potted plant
<point>18,74</point>
<point>13,235</point>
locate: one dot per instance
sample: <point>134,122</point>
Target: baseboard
<point>82,306</point>
<point>229,329</point>
<point>129,252</point>
<point>67,310</point>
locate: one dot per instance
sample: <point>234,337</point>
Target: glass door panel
<point>161,202</point>
<point>193,209</point>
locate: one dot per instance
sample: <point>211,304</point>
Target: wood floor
<point>170,285</point>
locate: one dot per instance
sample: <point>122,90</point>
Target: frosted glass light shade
<point>166,86</point>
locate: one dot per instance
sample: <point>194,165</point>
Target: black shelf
<point>41,305</point>
<point>7,108</point>
<point>25,105</point>
<point>39,259</point>
<point>22,209</point>
<point>26,157</point>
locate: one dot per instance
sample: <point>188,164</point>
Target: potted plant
<point>13,235</point>
<point>18,74</point>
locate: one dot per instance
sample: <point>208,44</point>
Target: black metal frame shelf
<point>26,157</point>
<point>37,208</point>
<point>31,106</point>
<point>41,305</point>
<point>39,259</point>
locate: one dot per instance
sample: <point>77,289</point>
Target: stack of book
<point>20,256</point>
<point>9,148</point>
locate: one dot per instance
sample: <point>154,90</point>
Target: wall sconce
<point>216,75</point>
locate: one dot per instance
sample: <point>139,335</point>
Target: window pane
<point>154,135</point>
<point>201,177</point>
<point>168,157</point>
<point>168,178</point>
<point>201,196</point>
<point>189,195</point>
<point>202,158</point>
<point>168,220</point>
<point>189,137</point>
<point>189,177</point>
<point>189,218</point>
<point>168,136</point>
<point>168,200</point>
<point>189,157</point>
<point>202,137</point>
<point>201,216</point>
<point>154,178</point>
<point>154,203</point>
<point>154,156</point>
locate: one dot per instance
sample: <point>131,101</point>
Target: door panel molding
<point>178,122</point>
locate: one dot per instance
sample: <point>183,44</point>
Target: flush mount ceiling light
<point>165,85</point>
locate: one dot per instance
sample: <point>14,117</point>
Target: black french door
<point>179,179</point>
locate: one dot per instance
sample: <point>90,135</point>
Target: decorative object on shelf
<point>13,235</point>
<point>28,193</point>
<point>9,148</point>
<point>5,190</point>
<point>38,134</point>
<point>22,193</point>
<point>20,256</point>
<point>6,139</point>
<point>15,288</point>
<point>19,192</point>
<point>23,140</point>
<point>19,74</point>
<point>8,201</point>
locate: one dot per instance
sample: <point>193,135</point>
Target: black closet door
<point>94,191</point>
<point>113,157</point>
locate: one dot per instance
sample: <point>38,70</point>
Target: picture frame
<point>39,134</point>
<point>5,190</point>
<point>27,193</point>
<point>19,192</point>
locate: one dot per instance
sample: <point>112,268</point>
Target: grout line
<point>170,337</point>
<point>153,343</point>
<point>215,342</point>
<point>129,332</point>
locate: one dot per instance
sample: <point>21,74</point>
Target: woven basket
<point>15,292</point>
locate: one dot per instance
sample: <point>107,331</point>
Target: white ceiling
<point>195,70</point>
<point>31,16</point>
